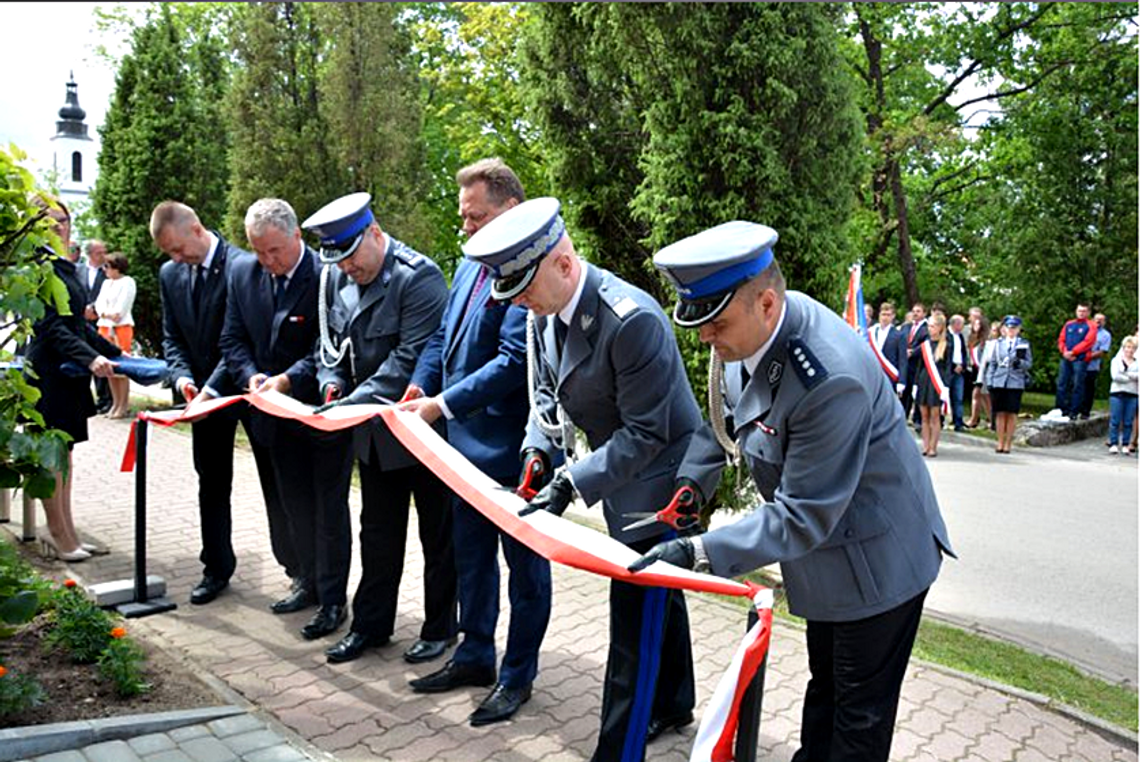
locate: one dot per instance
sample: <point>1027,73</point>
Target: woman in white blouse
<point>113,306</point>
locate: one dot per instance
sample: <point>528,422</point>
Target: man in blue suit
<point>472,373</point>
<point>890,347</point>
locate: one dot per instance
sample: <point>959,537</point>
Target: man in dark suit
<point>889,345</point>
<point>267,342</point>
<point>192,286</point>
<point>849,510</point>
<point>91,275</point>
<point>379,306</point>
<point>915,333</point>
<point>472,373</point>
<point>606,362</point>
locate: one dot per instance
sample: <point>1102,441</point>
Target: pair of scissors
<point>533,473</point>
<point>671,514</point>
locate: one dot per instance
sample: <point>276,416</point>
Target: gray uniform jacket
<point>621,380</point>
<point>1009,364</point>
<point>850,514</point>
<point>389,322</point>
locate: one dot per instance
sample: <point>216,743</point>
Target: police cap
<point>513,245</point>
<point>707,268</point>
<point>340,225</point>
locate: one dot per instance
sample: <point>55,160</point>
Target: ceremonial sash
<point>888,366</point>
<point>935,376</point>
<point>974,355</point>
<point>552,537</point>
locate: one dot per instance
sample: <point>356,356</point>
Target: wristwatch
<point>700,558</point>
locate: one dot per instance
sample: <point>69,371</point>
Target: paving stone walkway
<point>364,710</point>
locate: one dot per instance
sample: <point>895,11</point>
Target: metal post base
<point>136,609</point>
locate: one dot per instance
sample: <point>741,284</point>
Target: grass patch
<point>1002,662</point>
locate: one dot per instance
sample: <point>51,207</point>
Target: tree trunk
<point>906,256</point>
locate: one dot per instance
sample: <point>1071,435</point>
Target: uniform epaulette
<point>621,304</point>
<point>408,256</point>
<point>807,365</point>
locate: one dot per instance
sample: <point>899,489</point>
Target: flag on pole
<point>853,306</point>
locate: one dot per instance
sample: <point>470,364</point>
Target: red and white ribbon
<point>550,536</point>
<point>888,366</point>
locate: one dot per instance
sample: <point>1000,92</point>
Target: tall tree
<point>281,143</point>
<point>161,139</point>
<point>370,102</point>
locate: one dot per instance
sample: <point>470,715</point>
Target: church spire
<point>71,116</point>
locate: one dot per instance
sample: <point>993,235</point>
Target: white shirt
<point>117,296</point>
<point>752,361</point>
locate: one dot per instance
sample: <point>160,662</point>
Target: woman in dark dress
<point>929,395</point>
<point>65,402</point>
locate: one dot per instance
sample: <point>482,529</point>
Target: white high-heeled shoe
<point>49,549</point>
<point>94,550</point>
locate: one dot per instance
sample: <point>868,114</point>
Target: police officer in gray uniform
<point>378,307</point>
<point>849,510</point>
<point>603,359</point>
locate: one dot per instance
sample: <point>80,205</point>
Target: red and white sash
<point>888,366</point>
<point>935,377</point>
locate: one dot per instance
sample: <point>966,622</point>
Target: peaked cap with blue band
<point>340,225</point>
<point>513,245</point>
<point>707,268</point>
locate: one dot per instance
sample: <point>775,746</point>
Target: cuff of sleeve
<point>181,382</point>
<point>211,391</point>
<point>570,478</point>
<point>444,408</point>
<point>700,557</point>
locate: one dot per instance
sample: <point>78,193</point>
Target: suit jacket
<point>190,341</point>
<point>621,380</point>
<point>912,343</point>
<point>477,359</point>
<point>82,271</point>
<point>257,338</point>
<point>894,350</point>
<point>389,322</point>
<point>851,513</point>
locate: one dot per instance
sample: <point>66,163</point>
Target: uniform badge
<point>765,428</point>
<point>586,322</point>
<point>775,372</point>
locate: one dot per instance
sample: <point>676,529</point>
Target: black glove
<point>678,552</point>
<point>327,406</point>
<point>554,497</point>
<point>535,473</point>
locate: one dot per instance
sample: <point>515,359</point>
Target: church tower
<point>73,150</point>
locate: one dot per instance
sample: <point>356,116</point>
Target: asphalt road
<point>1047,546</point>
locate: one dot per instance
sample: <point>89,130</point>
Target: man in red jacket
<point>1074,342</point>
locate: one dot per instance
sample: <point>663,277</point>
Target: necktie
<point>479,281</point>
<point>560,330</point>
<point>745,376</point>
<point>196,287</point>
<point>278,290</point>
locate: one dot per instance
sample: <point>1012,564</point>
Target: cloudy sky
<point>43,44</point>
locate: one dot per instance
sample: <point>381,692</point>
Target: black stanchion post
<point>143,604</point>
<point>748,731</point>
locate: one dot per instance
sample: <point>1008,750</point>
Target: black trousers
<point>213,448</point>
<point>292,520</point>
<point>852,697</point>
<point>383,537</point>
<point>649,669</point>
<point>332,472</point>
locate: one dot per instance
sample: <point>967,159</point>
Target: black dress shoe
<point>208,589</point>
<point>300,597</point>
<point>327,620</point>
<point>453,676</point>
<point>351,646</point>
<point>657,727</point>
<point>426,650</point>
<point>500,704</point>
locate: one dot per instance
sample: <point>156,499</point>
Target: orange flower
<point>3,671</point>
<point>119,632</point>
<point>69,583</point>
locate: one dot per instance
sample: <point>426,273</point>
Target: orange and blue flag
<point>853,311</point>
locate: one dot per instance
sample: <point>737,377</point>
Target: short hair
<point>887,306</point>
<point>918,304</point>
<point>45,201</point>
<point>270,211</point>
<point>170,214</point>
<point>118,260</point>
<point>93,243</point>
<point>501,181</point>
<point>769,277</point>
<point>1128,341</point>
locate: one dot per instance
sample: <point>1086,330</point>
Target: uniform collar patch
<point>775,372</point>
<point>586,321</point>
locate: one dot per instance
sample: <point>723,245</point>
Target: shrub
<point>21,591</point>
<point>79,627</point>
<point>18,692</point>
<point>121,663</point>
